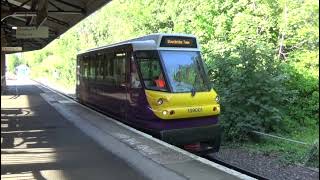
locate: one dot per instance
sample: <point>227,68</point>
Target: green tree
<point>13,62</point>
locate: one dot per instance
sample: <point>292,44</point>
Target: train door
<point>135,93</point>
<point>121,83</point>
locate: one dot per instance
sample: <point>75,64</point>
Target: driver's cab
<point>150,70</point>
<point>170,63</point>
<point>174,77</point>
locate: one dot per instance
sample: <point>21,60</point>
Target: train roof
<point>158,41</point>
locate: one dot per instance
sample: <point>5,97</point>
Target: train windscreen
<point>185,71</point>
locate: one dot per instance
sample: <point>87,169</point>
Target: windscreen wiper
<point>193,91</point>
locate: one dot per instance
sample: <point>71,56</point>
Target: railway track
<point>236,168</point>
<point>210,157</point>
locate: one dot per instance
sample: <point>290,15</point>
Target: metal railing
<point>282,138</point>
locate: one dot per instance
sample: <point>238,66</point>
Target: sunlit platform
<point>47,136</point>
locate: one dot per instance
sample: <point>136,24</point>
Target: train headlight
<point>218,99</point>
<point>160,101</point>
<point>164,112</point>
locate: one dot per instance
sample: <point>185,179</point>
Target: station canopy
<point>28,25</point>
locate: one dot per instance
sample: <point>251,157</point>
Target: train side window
<point>97,63</point>
<point>106,68</point>
<point>80,65</point>
<point>115,64</point>
<point>102,67</point>
<point>86,67</point>
<point>81,68</point>
<point>89,64</point>
<point>120,68</point>
<point>111,64</point>
<point>103,72</point>
<point>89,68</point>
<point>92,68</point>
<point>99,67</point>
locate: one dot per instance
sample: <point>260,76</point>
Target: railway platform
<point>45,135</point>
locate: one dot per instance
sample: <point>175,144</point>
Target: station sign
<point>11,49</point>
<point>32,32</point>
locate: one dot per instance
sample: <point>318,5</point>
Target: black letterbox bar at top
<point>178,41</point>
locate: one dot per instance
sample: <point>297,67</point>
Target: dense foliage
<point>262,55</point>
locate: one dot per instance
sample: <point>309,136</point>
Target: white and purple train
<point>156,83</point>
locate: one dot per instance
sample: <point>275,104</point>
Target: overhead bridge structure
<point>35,17</point>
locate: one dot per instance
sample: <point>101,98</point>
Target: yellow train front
<point>158,84</point>
<point>181,107</point>
<point>190,119</point>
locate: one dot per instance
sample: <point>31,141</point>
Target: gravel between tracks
<point>266,165</point>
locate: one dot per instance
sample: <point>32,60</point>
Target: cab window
<point>151,71</point>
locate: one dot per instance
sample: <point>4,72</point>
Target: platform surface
<point>38,143</point>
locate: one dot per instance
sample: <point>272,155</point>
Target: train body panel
<point>183,105</point>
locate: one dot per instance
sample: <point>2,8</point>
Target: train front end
<point>179,93</point>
